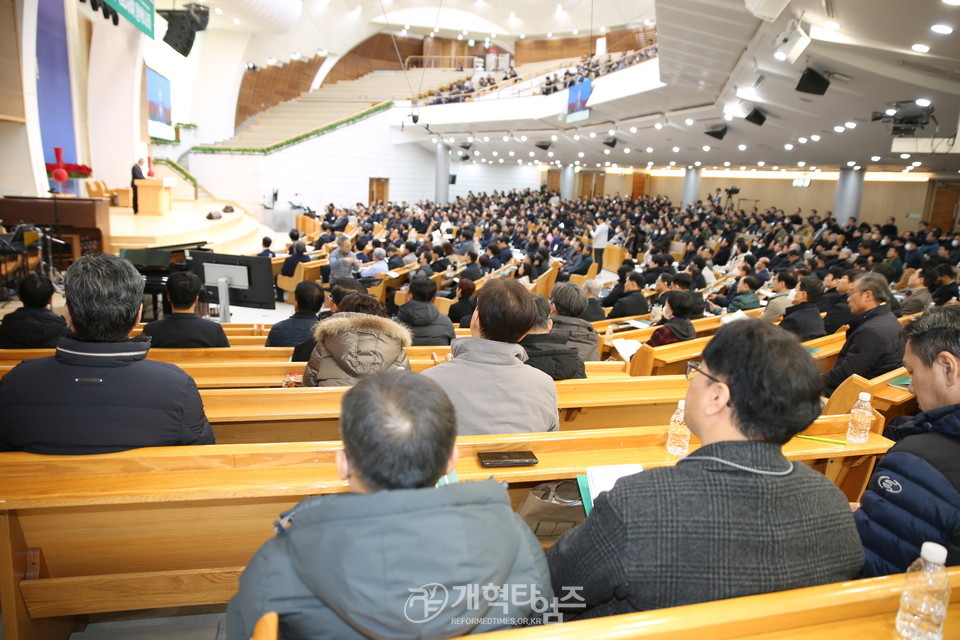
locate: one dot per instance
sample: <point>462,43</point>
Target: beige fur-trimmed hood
<point>346,322</point>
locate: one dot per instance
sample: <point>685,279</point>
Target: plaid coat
<point>705,530</point>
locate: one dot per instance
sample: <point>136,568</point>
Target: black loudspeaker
<point>813,82</point>
<point>542,145</point>
<point>181,30</point>
<point>453,178</point>
<point>756,117</point>
<point>717,133</point>
<point>214,215</point>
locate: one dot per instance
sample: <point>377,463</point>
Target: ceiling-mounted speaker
<point>610,142</point>
<point>200,14</point>
<point>465,145</point>
<point>542,145</point>
<point>768,10</point>
<point>717,132</point>
<point>181,30</point>
<point>811,81</point>
<point>756,117</point>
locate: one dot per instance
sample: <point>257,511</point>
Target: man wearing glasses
<point>733,518</point>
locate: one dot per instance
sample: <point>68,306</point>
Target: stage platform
<point>236,232</point>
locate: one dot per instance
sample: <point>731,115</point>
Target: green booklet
<point>903,382</point>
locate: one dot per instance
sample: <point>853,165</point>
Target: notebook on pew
<point>903,382</point>
<point>602,478</point>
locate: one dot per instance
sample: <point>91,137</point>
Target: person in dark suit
<point>684,282</point>
<point>803,318</point>
<point>633,302</point>
<point>947,289</point>
<point>183,329</point>
<point>839,313</point>
<point>136,173</point>
<point>466,302</point>
<point>472,270</point>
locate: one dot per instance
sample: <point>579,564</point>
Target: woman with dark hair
<point>676,327</point>
<point>466,302</point>
<point>357,341</point>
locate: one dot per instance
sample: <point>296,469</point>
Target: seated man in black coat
<point>947,289</point>
<point>633,302</point>
<point>429,327</point>
<point>99,393</point>
<point>32,326</point>
<point>183,329</point>
<point>684,282</point>
<point>308,298</point>
<point>803,318</point>
<point>547,349</point>
<point>594,310</point>
<point>839,313</point>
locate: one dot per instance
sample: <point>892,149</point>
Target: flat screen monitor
<point>249,279</point>
<point>159,113</point>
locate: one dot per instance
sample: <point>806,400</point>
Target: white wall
<point>217,84</point>
<point>481,177</point>
<point>617,183</point>
<point>22,170</point>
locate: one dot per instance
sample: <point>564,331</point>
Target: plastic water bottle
<point>678,440</point>
<point>608,334</point>
<point>923,604</point>
<point>861,418</point>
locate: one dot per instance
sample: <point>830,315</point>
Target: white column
<point>691,186</point>
<point>567,177</point>
<point>849,195</point>
<point>442,189</point>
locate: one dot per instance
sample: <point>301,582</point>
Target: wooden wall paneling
<point>269,86</point>
<point>553,180</point>
<point>946,201</point>
<point>11,81</point>
<point>639,185</point>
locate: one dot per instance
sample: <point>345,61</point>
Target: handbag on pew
<point>552,508</point>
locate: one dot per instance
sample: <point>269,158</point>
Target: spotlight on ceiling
<point>791,44</point>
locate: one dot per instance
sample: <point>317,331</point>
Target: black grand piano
<point>157,264</point>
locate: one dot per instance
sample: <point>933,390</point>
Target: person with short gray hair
<point>378,266</point>
<point>594,310</point>
<point>98,393</point>
<point>342,260</point>
<point>569,302</point>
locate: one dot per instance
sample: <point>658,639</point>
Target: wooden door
<point>946,198</point>
<point>553,180</point>
<point>379,190</point>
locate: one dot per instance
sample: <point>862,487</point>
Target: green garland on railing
<point>163,141</point>
<point>289,142</point>
<point>183,173</point>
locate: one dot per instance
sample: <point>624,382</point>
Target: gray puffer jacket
<point>394,564</point>
<point>582,336</point>
<point>353,345</point>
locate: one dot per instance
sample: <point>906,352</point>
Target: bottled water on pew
<point>678,440</point>
<point>923,604</point>
<point>861,419</point>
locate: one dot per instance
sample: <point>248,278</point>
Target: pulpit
<point>153,197</point>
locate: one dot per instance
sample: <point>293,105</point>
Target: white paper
<point>392,274</point>
<point>602,478</point>
<point>638,324</point>
<point>733,317</point>
<point>626,348</point>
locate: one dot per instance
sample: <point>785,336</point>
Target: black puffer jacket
<point>31,329</point>
<point>549,353</point>
<point>429,328</point>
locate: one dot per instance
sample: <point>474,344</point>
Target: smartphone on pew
<point>507,458</point>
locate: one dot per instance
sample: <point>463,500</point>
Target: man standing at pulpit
<point>136,174</point>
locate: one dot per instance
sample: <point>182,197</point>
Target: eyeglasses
<point>694,368</point>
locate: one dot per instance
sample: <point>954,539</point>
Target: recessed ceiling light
<point>218,11</point>
<point>606,152</point>
<point>706,147</point>
<point>553,137</point>
<point>904,156</point>
<point>500,160</point>
<point>688,121</point>
<point>433,140</point>
<point>633,129</point>
<point>851,163</point>
<point>524,138</point>
<point>611,132</point>
<point>774,167</point>
<point>579,155</point>
<point>522,36</point>
<point>658,126</point>
<point>788,146</point>
<point>728,117</point>
<point>742,147</point>
<point>920,48</point>
<point>593,134</point>
<point>832,24</point>
<point>922,102</point>
<point>761,163</point>
<point>549,154</point>
<point>916,163</point>
<point>673,162</point>
<point>486,138</point>
<point>815,138</point>
<point>549,34</point>
<point>801,164</point>
<point>952,3</point>
<point>875,158</point>
<point>626,149</point>
<point>511,153</point>
<point>727,163</point>
<point>236,21</point>
<point>476,153</point>
<point>839,128</point>
<point>942,29</point>
<point>505,138</point>
<point>857,168</point>
<point>649,149</point>
<point>697,163</point>
<point>850,124</point>
<point>495,154</point>
<point>802,140</point>
<point>531,154</point>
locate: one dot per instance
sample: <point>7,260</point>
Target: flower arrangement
<point>73,170</point>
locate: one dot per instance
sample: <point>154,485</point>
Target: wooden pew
<point>305,271</point>
<point>176,356</point>
<point>706,326</point>
<point>890,401</point>
<point>174,526</point>
<point>308,414</point>
<point>857,609</point>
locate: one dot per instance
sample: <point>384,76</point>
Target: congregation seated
<point>784,281</point>
<point>873,343</point>
<point>427,325</point>
<point>183,329</point>
<point>33,325</point>
<point>594,310</point>
<point>265,251</point>
<point>744,300</point>
<point>547,349</point>
<point>308,300</point>
<point>341,289</point>
<point>913,494</point>
<point>361,565</point>
<point>633,302</point>
<point>491,388</point>
<point>461,310</point>
<point>714,525</point>
<point>838,311</point>
<point>568,303</point>
<point>357,341</point>
<point>919,285</point>
<point>98,393</point>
